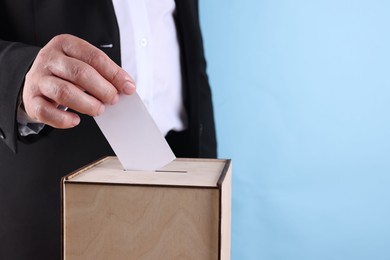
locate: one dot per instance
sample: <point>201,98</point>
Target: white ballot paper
<point>134,136</point>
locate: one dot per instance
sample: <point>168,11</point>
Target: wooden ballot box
<point>182,211</point>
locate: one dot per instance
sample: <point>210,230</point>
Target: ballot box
<point>182,211</point>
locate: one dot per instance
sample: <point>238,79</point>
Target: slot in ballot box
<point>182,211</point>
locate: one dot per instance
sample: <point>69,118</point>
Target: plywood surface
<point>181,172</point>
<point>135,222</point>
<point>226,209</point>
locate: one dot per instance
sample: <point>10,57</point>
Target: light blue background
<point>302,100</point>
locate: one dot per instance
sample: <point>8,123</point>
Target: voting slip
<point>134,136</point>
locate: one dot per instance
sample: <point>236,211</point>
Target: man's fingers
<point>68,95</point>
<point>86,77</point>
<point>46,112</point>
<point>71,72</point>
<point>120,81</point>
<point>82,50</point>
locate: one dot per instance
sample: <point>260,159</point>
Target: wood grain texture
<point>226,208</point>
<point>135,222</point>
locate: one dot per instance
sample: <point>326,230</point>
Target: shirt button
<point>2,135</point>
<point>144,42</point>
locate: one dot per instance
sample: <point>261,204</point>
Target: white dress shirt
<point>150,54</point>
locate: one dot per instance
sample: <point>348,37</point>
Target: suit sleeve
<point>15,61</point>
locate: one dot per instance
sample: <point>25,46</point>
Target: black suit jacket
<point>29,179</point>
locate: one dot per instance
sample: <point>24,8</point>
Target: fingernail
<point>128,88</point>
<point>76,120</point>
<point>115,99</point>
<point>101,110</point>
<point>130,79</point>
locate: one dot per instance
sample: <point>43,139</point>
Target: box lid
<point>180,172</point>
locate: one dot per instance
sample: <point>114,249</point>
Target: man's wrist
<point>27,125</point>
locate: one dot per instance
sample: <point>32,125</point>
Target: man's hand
<point>71,72</point>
